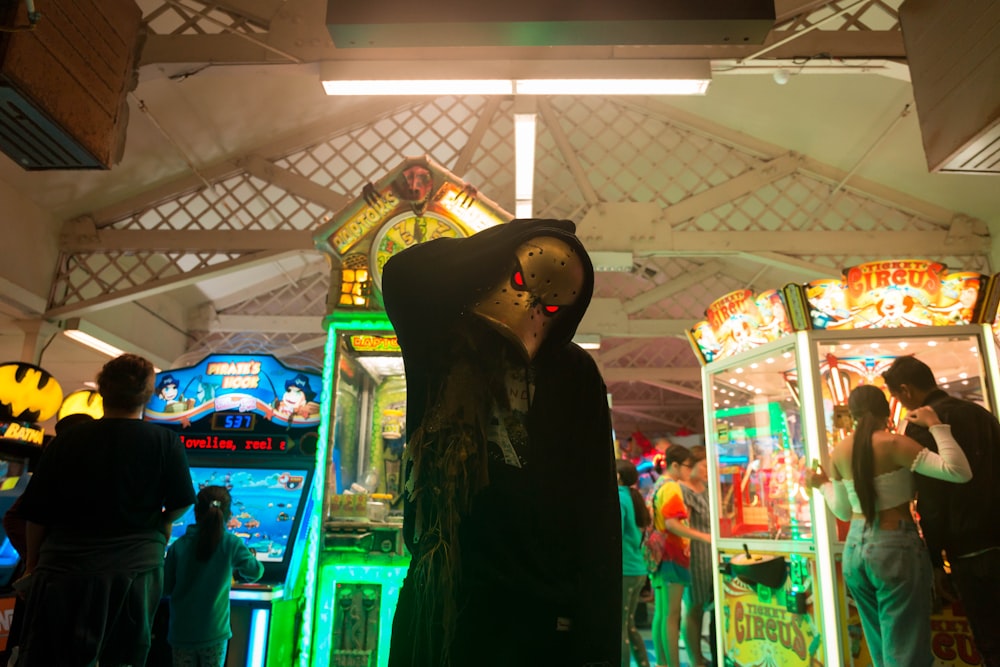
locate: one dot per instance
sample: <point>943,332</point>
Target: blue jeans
<point>888,573</point>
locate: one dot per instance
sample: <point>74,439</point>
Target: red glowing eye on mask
<point>518,279</point>
<point>551,310</point>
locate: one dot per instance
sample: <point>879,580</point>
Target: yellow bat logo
<point>28,393</point>
<point>86,401</point>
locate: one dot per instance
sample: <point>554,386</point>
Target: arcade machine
<point>29,395</point>
<point>249,423</point>
<point>779,367</point>
<point>361,559</point>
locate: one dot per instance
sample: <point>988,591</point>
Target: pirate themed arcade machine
<point>361,559</point>
<point>250,424</point>
<point>29,395</point>
<point>779,367</point>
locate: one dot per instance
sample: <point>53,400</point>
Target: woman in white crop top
<point>886,566</point>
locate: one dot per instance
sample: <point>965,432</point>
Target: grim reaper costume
<point>511,506</point>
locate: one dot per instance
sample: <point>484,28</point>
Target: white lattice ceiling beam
<point>675,388</point>
<point>362,110</point>
<point>649,297</point>
<point>247,290</point>
<point>613,229</point>
<point>293,183</point>
<point>747,182</point>
<point>475,140</point>
<point>211,321</point>
<point>184,240</point>
<point>649,375</point>
<point>606,356</point>
<point>810,270</point>
<point>607,317</point>
<point>300,346</point>
<point>569,155</point>
<point>646,416</point>
<point>809,166</point>
<point>162,285</point>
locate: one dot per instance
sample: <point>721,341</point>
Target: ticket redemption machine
<point>249,423</point>
<point>360,558</point>
<point>779,367</point>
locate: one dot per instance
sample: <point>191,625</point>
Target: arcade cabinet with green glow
<point>358,564</point>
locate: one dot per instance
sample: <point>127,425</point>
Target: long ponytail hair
<point>629,476</point>
<point>870,410</point>
<point>211,511</point>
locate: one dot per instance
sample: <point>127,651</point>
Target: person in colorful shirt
<point>670,516</point>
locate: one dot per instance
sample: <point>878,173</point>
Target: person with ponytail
<point>635,518</point>
<point>886,565</point>
<point>197,576</point>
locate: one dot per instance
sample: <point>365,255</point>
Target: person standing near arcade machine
<point>511,509</point>
<point>99,509</point>
<point>960,520</point>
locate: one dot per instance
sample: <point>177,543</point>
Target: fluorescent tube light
<point>588,341</point>
<point>420,87</point>
<point>608,260</point>
<point>94,343</point>
<point>611,86</point>
<point>524,162</point>
<point>617,76</point>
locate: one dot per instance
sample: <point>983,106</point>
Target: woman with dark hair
<point>634,519</point>
<point>197,577</point>
<point>886,566</point>
<point>670,516</point>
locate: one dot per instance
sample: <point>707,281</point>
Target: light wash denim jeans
<point>888,573</point>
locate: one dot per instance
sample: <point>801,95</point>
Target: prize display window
<point>760,448</point>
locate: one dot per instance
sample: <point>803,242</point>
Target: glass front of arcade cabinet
<point>760,451</point>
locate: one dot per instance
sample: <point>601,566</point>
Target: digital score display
<point>236,443</point>
<point>233,421</point>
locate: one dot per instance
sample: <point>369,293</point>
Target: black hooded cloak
<point>513,562</point>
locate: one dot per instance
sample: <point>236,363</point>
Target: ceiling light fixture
<point>88,334</point>
<point>524,163</point>
<point>93,343</point>
<point>588,341</point>
<point>522,77</point>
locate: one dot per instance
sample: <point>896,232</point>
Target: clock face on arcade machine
<point>416,202</point>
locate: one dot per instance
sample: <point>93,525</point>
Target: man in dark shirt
<point>99,510</point>
<point>959,519</point>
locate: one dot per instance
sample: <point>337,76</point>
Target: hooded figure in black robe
<point>511,506</point>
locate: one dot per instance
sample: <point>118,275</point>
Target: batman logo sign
<point>28,393</point>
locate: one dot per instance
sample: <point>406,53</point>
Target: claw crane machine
<point>359,560</point>
<point>778,368</point>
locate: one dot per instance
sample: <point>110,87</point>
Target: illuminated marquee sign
<point>257,385</point>
<point>372,343</point>
<point>417,201</point>
<point>236,375</point>
<point>897,293</point>
<point>740,321</point>
<point>234,444</point>
<point>365,221</point>
<point>21,433</point>
<point>875,295</point>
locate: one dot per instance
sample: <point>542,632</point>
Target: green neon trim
<point>353,320</point>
